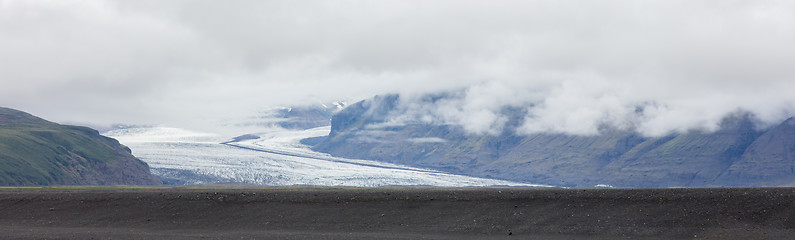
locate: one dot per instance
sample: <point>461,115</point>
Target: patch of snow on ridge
<point>426,140</point>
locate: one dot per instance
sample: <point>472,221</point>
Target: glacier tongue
<point>276,157</point>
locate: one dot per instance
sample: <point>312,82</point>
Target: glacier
<point>273,157</point>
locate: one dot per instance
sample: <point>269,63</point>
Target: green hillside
<point>34,151</point>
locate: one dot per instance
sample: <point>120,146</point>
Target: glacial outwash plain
<point>240,212</point>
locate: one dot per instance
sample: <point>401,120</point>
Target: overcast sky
<point>581,63</point>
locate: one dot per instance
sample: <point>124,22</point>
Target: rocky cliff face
<point>34,151</point>
<point>736,155</point>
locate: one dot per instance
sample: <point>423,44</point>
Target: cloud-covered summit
<point>657,66</point>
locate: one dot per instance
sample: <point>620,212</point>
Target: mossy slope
<point>34,151</point>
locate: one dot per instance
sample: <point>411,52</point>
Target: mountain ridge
<point>737,154</point>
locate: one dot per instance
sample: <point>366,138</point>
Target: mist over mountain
<point>656,66</point>
<point>741,151</point>
<point>295,117</point>
<point>34,151</point>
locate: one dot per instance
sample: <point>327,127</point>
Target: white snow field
<point>276,158</point>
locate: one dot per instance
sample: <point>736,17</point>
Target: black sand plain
<point>396,213</point>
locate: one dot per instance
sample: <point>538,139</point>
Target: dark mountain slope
<point>34,151</point>
<point>768,161</point>
<point>694,158</point>
<point>564,160</point>
<point>732,156</point>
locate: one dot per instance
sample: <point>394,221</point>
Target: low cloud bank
<point>587,106</point>
<point>653,66</point>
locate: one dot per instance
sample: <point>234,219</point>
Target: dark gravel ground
<point>397,213</point>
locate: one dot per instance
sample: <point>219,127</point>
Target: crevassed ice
<point>276,158</point>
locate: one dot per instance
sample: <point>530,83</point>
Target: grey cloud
<point>580,64</point>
